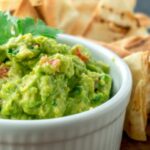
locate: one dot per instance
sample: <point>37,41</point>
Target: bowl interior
<point>122,84</point>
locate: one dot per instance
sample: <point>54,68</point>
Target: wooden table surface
<point>129,144</point>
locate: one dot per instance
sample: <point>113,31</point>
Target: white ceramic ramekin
<point>96,129</point>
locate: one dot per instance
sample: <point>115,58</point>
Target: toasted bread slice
<point>25,9</point>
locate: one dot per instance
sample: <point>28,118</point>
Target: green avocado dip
<point>41,78</point>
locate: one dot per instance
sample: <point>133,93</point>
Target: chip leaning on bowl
<point>136,53</point>
<point>41,78</point>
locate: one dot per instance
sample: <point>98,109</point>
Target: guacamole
<point>41,78</point>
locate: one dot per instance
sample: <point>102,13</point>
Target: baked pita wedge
<point>103,30</point>
<point>68,15</point>
<point>118,11</point>
<point>9,5</point>
<point>133,44</point>
<point>142,20</point>
<point>128,46</point>
<point>136,53</point>
<point>48,11</point>
<point>57,13</point>
<point>85,9</point>
<point>106,27</point>
<point>82,5</point>
<point>122,52</point>
<point>114,20</point>
<point>137,111</point>
<point>25,9</point>
<point>36,2</point>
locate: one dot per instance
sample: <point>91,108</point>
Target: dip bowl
<point>96,129</point>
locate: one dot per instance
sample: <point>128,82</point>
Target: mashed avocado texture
<point>41,78</point>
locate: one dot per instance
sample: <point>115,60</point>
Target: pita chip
<point>122,52</point>
<point>138,60</point>
<point>47,11</point>
<point>107,23</point>
<point>136,53</point>
<point>143,20</point>
<point>25,9</point>
<point>36,2</point>
<point>85,9</point>
<point>114,20</point>
<point>68,15</point>
<point>57,13</point>
<point>82,5</point>
<point>137,111</point>
<point>8,5</point>
<point>133,44</point>
<point>118,11</point>
<point>102,30</point>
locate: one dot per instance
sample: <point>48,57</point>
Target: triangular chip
<point>118,11</point>
<point>119,5</point>
<point>48,11</point>
<point>36,2</point>
<point>143,20</point>
<point>8,5</point>
<point>25,9</point>
<point>68,15</point>
<point>134,44</point>
<point>11,5</point>
<point>136,51</point>
<point>114,20</point>
<point>137,111</point>
<point>85,9</point>
<point>103,30</point>
<point>114,47</point>
<point>57,13</point>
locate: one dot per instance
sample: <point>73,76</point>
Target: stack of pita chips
<point>103,20</point>
<point>114,20</point>
<point>56,13</point>
<point>136,53</point>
